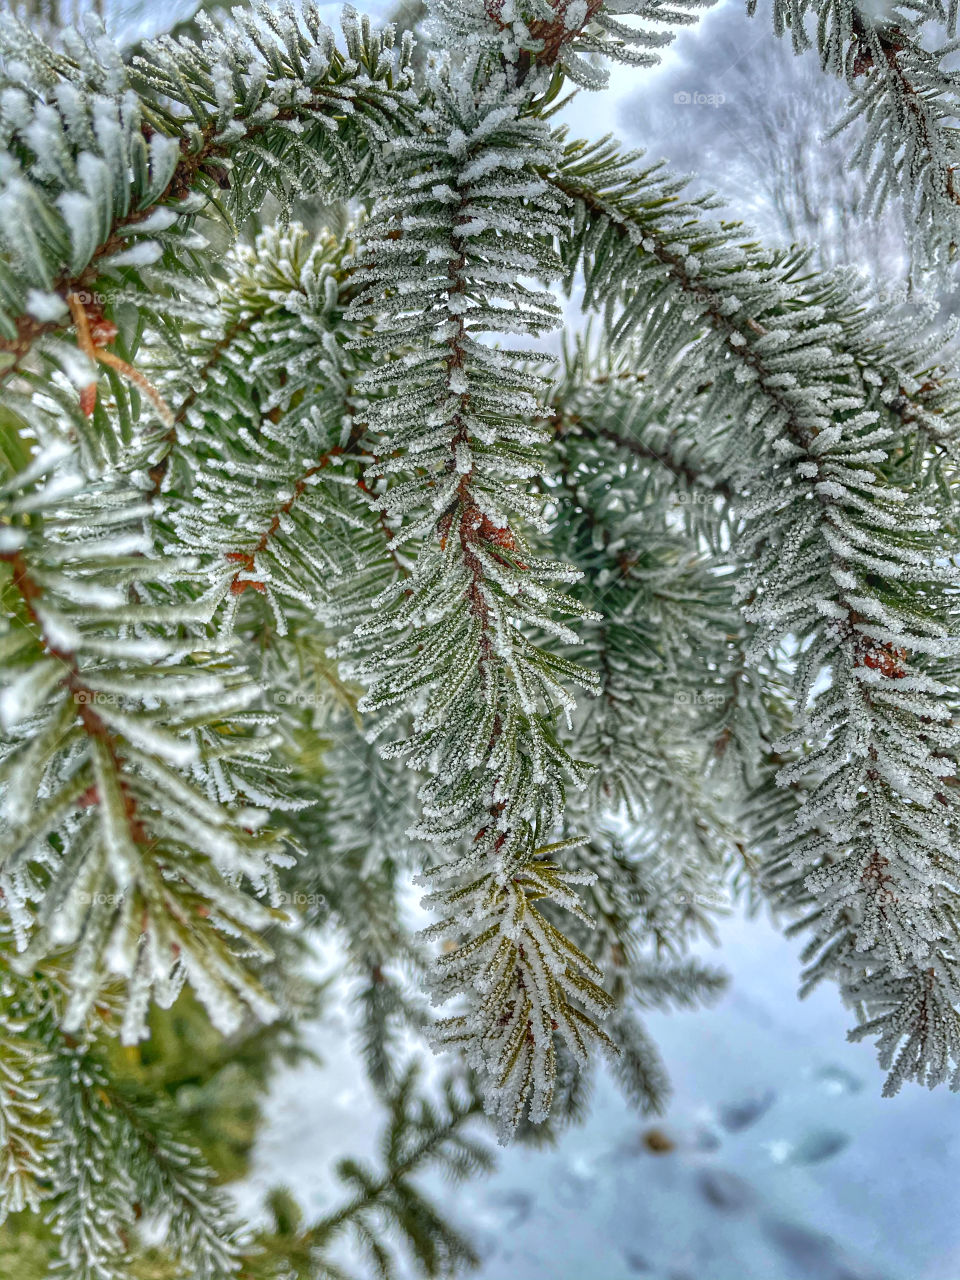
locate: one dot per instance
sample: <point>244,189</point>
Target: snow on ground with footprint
<point>784,1162</point>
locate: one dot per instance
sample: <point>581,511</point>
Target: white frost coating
<point>159,220</point>
<point>575,14</point>
<point>141,254</point>
<point>44,306</point>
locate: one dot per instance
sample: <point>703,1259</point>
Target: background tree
<point>767,147</point>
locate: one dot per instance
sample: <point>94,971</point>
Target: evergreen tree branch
<point>418,1134</point>
<point>456,453</point>
<point>120,853</point>
<point>181,140</point>
<point>841,553</point>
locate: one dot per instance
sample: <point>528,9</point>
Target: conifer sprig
<point>450,420</point>
<point>826,513</point>
<point>118,761</point>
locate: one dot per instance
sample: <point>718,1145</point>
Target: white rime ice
<point>317,569</point>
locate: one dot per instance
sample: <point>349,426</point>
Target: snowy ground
<point>787,1163</point>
